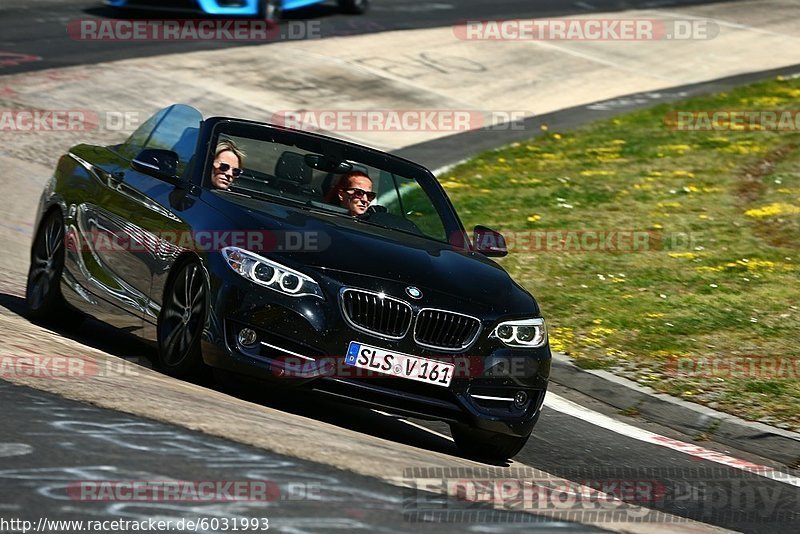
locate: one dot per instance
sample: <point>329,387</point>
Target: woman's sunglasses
<point>360,193</point>
<point>225,167</point>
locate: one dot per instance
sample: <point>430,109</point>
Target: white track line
<point>568,407</point>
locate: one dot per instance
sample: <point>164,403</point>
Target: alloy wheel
<point>42,293</point>
<point>182,320</point>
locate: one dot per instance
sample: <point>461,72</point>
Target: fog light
<point>520,399</point>
<point>247,337</point>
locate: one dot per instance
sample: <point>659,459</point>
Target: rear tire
<point>43,288</point>
<point>181,321</point>
<point>485,445</point>
<point>354,7</point>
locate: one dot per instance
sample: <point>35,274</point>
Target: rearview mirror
<point>159,163</point>
<point>327,163</point>
<point>489,242</point>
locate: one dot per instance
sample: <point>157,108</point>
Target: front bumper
<point>301,342</point>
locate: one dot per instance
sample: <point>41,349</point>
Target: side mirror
<point>489,242</point>
<point>162,164</point>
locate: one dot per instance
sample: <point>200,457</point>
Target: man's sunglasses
<point>225,167</point>
<point>356,192</point>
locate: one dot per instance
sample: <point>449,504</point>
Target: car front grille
<point>441,329</point>
<point>389,317</point>
<point>376,313</point>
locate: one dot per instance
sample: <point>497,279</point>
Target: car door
<point>122,229</point>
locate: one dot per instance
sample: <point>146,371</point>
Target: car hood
<point>334,244</point>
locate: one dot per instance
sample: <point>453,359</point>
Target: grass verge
<point>668,256</point>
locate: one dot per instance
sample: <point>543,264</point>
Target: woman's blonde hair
<point>226,145</point>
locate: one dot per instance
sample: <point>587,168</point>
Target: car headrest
<point>292,167</point>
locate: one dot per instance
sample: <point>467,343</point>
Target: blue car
<point>268,9</point>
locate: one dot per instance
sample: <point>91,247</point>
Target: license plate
<point>399,364</point>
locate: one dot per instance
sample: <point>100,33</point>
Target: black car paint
<point>96,187</point>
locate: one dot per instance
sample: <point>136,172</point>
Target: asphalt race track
<point>330,466</point>
<point>37,28</point>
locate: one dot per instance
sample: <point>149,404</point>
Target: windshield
<point>330,176</point>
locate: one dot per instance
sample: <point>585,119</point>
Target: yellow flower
<point>771,210</point>
<point>680,149</point>
<point>561,338</point>
<point>534,217</point>
<point>657,226</point>
<point>602,331</point>
<point>543,127</point>
<point>767,101</point>
<point>556,136</point>
<point>452,184</point>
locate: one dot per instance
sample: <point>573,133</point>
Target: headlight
<point>522,333</point>
<point>271,274</point>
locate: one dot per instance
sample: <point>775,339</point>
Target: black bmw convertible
<point>395,307</point>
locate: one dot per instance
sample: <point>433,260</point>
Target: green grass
<point>718,287</point>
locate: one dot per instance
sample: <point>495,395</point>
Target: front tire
<point>485,445</point>
<point>181,321</point>
<point>354,7</point>
<point>43,288</point>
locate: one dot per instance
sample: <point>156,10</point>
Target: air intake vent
<point>376,314</point>
<point>445,330</point>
